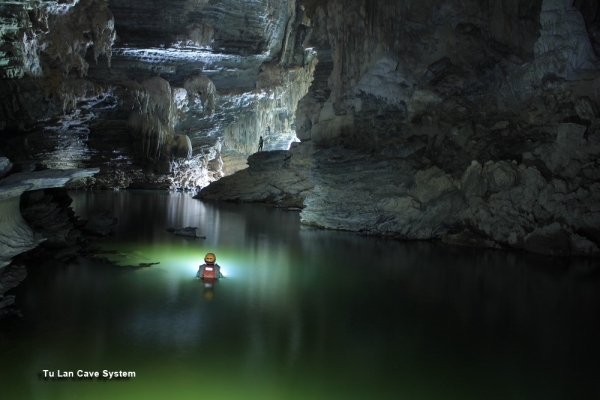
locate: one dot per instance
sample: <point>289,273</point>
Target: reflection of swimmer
<point>209,291</point>
<point>209,270</point>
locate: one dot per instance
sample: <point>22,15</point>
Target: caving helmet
<point>210,258</point>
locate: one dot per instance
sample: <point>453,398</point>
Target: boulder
<point>462,133</point>
<point>10,277</point>
<point>472,182</point>
<point>431,183</point>
<point>582,246</point>
<point>586,108</point>
<point>500,175</point>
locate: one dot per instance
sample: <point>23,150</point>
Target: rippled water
<point>302,314</point>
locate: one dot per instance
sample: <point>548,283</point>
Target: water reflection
<point>305,313</point>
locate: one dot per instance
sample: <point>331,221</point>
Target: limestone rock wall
<point>48,41</point>
<point>456,121</point>
<point>152,93</point>
<point>475,122</point>
<point>16,236</point>
<point>40,36</point>
<point>274,109</point>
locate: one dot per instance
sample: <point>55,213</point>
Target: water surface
<point>302,314</point>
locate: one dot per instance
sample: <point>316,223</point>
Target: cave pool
<point>303,313</point>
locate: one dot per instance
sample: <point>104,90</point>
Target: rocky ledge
<point>276,177</point>
<point>501,204</point>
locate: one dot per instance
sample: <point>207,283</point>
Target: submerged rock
<point>468,238</point>
<point>10,277</point>
<point>550,240</point>
<point>188,231</point>
<point>100,223</point>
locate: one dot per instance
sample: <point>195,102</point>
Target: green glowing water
<point>301,314</point>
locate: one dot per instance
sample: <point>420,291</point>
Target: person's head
<point>261,137</point>
<point>210,258</point>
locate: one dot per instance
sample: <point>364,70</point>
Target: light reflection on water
<point>303,313</point>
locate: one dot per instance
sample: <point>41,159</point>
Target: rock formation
<point>474,122</point>
<point>155,95</point>
<point>280,177</point>
<point>189,231</point>
<point>16,236</point>
<point>471,122</point>
<point>21,233</point>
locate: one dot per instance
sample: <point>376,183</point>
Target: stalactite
<point>154,121</point>
<point>50,38</point>
<point>201,92</point>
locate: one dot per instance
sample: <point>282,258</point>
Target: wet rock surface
<point>67,236</point>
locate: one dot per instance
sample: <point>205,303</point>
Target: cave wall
<point>472,121</point>
<point>414,53</point>
<point>475,122</point>
<point>155,94</point>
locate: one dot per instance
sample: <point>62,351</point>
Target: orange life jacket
<point>209,272</point>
